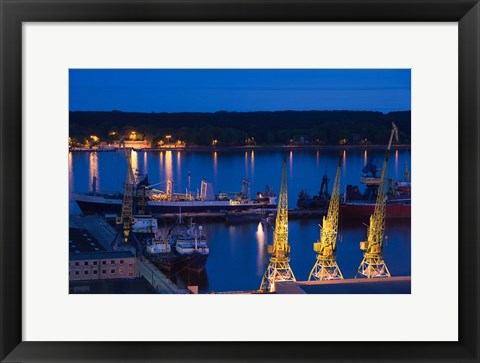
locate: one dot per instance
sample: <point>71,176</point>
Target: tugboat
<point>159,251</point>
<point>156,245</point>
<point>191,246</point>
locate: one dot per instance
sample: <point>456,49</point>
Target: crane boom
<point>326,267</point>
<point>330,224</point>
<point>376,230</point>
<point>280,238</point>
<point>373,264</point>
<point>279,267</point>
<point>126,218</point>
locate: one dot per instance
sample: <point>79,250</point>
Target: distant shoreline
<point>256,148</point>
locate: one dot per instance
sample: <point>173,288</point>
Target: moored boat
<point>191,245</point>
<point>356,204</point>
<point>160,202</point>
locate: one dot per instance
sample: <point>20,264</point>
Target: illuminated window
<point>122,270</point>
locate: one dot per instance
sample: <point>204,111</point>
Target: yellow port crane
<point>373,265</point>
<point>326,267</point>
<point>279,267</point>
<point>126,218</point>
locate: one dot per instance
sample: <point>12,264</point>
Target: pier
<point>392,285</point>
<point>157,279</point>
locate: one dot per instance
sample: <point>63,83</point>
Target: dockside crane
<point>126,217</point>
<point>326,267</point>
<point>373,265</point>
<point>279,267</point>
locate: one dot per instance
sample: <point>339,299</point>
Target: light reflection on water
<point>227,169</point>
<point>253,164</point>
<point>396,164</point>
<point>168,165</point>
<point>93,170</point>
<point>134,159</point>
<point>145,163</point>
<point>260,236</point>
<point>215,164</point>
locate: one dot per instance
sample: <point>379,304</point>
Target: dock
<point>391,285</point>
<point>157,279</point>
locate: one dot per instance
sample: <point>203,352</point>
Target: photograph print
<point>239,181</point>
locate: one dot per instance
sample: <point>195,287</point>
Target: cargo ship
<point>356,204</point>
<point>164,202</point>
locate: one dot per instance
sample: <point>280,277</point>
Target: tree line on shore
<point>224,128</point>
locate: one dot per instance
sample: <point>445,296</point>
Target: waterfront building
<point>101,265</point>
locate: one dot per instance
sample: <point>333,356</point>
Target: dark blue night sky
<point>210,90</point>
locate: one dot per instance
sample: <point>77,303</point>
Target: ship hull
<point>193,262</point>
<point>100,205</point>
<point>365,210</point>
<point>164,261</point>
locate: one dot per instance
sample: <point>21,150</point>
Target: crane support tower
<point>326,267</point>
<point>126,218</point>
<point>279,267</point>
<point>373,265</point>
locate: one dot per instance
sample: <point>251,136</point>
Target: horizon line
<point>233,111</point>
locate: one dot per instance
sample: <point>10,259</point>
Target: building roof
<point>102,255</point>
<point>80,240</point>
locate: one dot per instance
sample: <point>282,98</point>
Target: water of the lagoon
<point>237,252</point>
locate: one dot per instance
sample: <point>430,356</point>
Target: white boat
<point>144,224</point>
<point>191,245</point>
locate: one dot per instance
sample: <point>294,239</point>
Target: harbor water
<point>238,255</point>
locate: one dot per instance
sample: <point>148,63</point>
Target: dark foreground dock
<point>392,285</point>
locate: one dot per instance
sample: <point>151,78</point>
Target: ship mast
<point>326,267</point>
<point>126,218</point>
<point>279,267</point>
<point>373,265</point>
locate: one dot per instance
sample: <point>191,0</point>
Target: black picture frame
<point>14,12</point>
